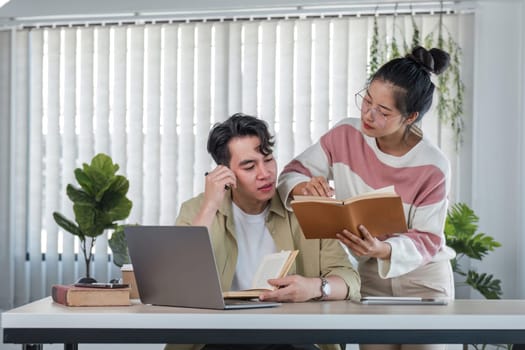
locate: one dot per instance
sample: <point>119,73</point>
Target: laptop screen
<point>175,266</point>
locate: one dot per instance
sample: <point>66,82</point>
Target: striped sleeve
<point>312,162</point>
<point>356,164</point>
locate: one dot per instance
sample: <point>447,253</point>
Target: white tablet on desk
<point>372,300</point>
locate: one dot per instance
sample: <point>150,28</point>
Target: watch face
<point>327,289</point>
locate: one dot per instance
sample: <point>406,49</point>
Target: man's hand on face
<point>217,182</point>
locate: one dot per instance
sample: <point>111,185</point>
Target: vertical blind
<point>147,95</point>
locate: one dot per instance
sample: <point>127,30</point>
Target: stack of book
<point>71,295</point>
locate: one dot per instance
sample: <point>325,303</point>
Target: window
<point>148,94</point>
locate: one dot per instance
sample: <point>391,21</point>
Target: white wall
<point>5,243</point>
<point>497,164</point>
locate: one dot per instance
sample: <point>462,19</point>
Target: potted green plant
<point>461,234</point>
<point>98,204</point>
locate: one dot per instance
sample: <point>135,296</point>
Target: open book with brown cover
<point>275,265</point>
<point>380,211</point>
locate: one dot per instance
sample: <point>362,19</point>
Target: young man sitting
<point>247,220</point>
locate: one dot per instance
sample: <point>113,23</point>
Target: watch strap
<point>324,282</point>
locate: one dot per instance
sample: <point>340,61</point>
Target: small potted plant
<point>461,233</point>
<point>98,204</point>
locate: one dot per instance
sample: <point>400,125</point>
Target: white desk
<point>462,321</point>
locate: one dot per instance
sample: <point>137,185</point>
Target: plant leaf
<point>104,163</point>
<point>120,185</point>
<point>120,210</point>
<point>84,181</point>
<point>119,247</point>
<point>460,232</point>
<point>67,224</point>
<point>77,195</point>
<point>488,286</point>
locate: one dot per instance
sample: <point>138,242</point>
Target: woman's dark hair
<point>411,77</point>
<point>238,125</point>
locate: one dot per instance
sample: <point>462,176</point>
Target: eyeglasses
<point>364,104</point>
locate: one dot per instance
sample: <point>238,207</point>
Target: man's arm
<point>335,262</point>
<point>296,288</point>
<point>320,258</point>
<point>217,184</point>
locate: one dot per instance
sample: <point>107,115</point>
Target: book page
<point>380,192</point>
<point>270,267</point>
<point>388,191</point>
<point>243,294</point>
<point>302,198</point>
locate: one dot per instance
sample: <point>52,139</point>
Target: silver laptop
<point>175,266</point>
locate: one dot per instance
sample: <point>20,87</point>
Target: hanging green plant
<point>394,48</point>
<point>374,55</point>
<point>456,103</point>
<point>416,34</point>
<point>450,88</point>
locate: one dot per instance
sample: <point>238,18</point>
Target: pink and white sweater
<point>356,165</point>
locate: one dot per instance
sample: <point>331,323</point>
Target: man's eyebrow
<point>246,161</point>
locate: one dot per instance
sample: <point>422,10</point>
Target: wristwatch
<point>325,289</point>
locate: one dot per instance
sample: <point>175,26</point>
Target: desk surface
<point>462,321</point>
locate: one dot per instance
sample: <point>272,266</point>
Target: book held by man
<point>275,265</point>
<point>380,211</point>
<point>71,295</point>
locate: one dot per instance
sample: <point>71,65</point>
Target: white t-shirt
<point>253,242</point>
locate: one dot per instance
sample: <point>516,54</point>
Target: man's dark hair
<point>238,125</point>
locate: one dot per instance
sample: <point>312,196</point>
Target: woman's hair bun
<point>433,61</point>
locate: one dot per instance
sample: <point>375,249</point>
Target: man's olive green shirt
<point>316,257</point>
